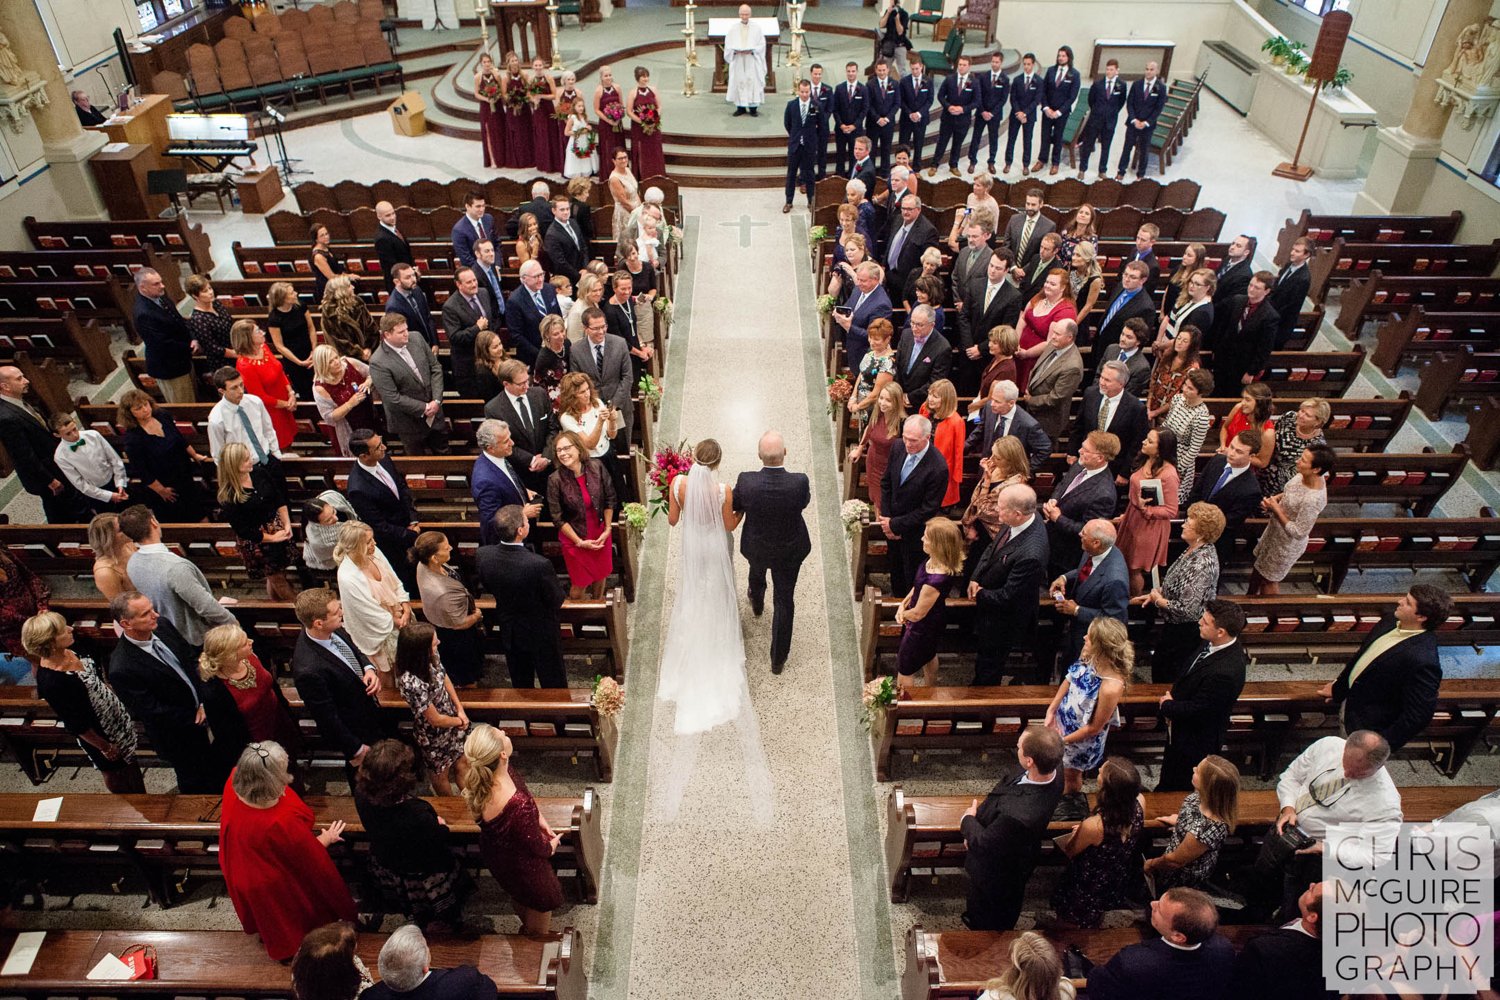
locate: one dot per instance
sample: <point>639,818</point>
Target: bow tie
<point>75,445</point>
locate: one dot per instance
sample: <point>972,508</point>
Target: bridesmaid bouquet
<point>667,465</point>
<point>615,115</point>
<point>489,89</point>
<point>515,98</point>
<point>650,120</point>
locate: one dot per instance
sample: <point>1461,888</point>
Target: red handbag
<point>142,961</point>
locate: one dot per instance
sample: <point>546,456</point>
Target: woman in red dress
<point>609,112</point>
<point>883,430</point>
<point>644,109</point>
<point>517,115</point>
<point>489,91</point>
<point>514,839</point>
<point>1052,303</point>
<point>264,377</point>
<point>228,655</point>
<point>546,130</point>
<point>276,866</point>
<point>581,497</point>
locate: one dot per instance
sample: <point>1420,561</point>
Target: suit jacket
<point>617,378</point>
<point>461,322</point>
<point>524,321</point>
<point>1106,593</point>
<point>1146,103</point>
<point>464,237</point>
<point>865,171</point>
<point>1013,230</point>
<point>933,363</point>
<point>335,696</point>
<point>1233,280</point>
<point>1005,835</point>
<point>567,254</point>
<point>1128,423</point>
<point>1060,95</point>
<point>772,500</point>
<point>1288,295</point>
<point>802,135</point>
<point>389,515</point>
<point>950,94</point>
<point>392,250</point>
<point>1009,579</point>
<point>1203,699</point>
<point>418,312</point>
<point>1141,304</point>
<point>529,441</point>
<point>1396,694</point>
<point>849,109</point>
<point>1024,96</point>
<point>876,305</point>
<point>822,95</point>
<point>168,342</point>
<point>32,449</point>
<point>916,98</point>
<point>975,321</point>
<point>923,235</point>
<point>910,505</point>
<point>1104,108</point>
<point>882,103</point>
<point>1095,497</point>
<point>403,393</point>
<point>994,91</point>
<point>1139,367</point>
<point>1284,963</point>
<point>539,207</point>
<point>1239,499</point>
<point>1153,269</point>
<point>1036,272</point>
<point>1156,969</point>
<point>1023,426</point>
<point>1051,392</point>
<point>462,983</point>
<point>970,268</point>
<point>1246,344</point>
<point>492,490</point>
<point>492,288</point>
<point>528,597</point>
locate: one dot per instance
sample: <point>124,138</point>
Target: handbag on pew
<point>1076,964</point>
<point>142,961</point>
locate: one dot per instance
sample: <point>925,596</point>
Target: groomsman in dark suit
<point>1000,417</point>
<point>1391,685</point>
<point>916,109</point>
<point>527,411</point>
<point>774,538</point>
<point>1143,106</point>
<point>994,90</point>
<point>1292,285</point>
<point>1243,352</point>
<point>883,97</point>
<point>1025,92</point>
<point>922,357</point>
<point>1108,407</point>
<point>1228,482</point>
<point>803,121</point>
<point>379,495</point>
<point>337,682</point>
<point>823,94</point>
<point>528,599</point>
<point>1006,582</point>
<point>390,246</point>
<point>956,99</point>
<point>475,224</point>
<point>1086,492</point>
<point>1198,707</point>
<point>565,245</point>
<point>1233,278</point>
<point>849,112</point>
<point>1004,832</point>
<point>911,494</point>
<point>1059,94</point>
<point>1106,99</point>
<point>487,270</point>
<point>408,299</point>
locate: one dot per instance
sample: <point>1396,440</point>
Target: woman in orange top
<point>947,433</point>
<point>264,377</point>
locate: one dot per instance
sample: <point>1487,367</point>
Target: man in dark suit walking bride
<point>775,537</point>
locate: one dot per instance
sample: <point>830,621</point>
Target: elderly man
<point>168,342</point>
<point>406,973</point>
<point>475,224</point>
<point>868,302</point>
<point>540,206</point>
<point>1005,584</point>
<point>910,494</point>
<point>1189,961</point>
<point>409,379</point>
<point>1100,586</point>
<point>909,235</point>
<point>745,55</point>
<point>922,356</point>
<point>494,482</point>
<point>88,115</point>
<point>390,246</point>
<point>1108,407</point>
<point>525,309</point>
<point>33,451</point>
<point>1001,416</point>
<point>1054,378</point>
<point>1087,491</point>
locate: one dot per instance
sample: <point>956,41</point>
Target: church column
<point>1406,156</point>
<point>65,144</point>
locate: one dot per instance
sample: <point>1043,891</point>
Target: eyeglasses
<point>260,749</point>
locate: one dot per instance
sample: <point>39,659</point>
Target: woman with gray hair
<point>406,971</point>
<point>276,866</point>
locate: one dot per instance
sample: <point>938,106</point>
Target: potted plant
<point>1339,80</point>
<point>1297,60</point>
<point>1279,48</point>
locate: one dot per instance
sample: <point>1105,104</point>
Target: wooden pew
<point>104,300</point>
<point>119,263</point>
<point>176,237</point>
<point>923,831</point>
<point>64,338</point>
<point>220,965</point>
<point>1458,377</point>
<point>1414,333</point>
<point>1377,297</point>
<point>1367,229</point>
<point>1343,262</point>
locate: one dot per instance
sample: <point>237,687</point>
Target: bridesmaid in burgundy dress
<point>649,159</point>
<point>609,108</point>
<point>514,839</point>
<point>489,91</point>
<point>517,114</point>
<point>546,130</point>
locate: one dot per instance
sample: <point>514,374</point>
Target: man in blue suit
<point>1099,586</point>
<point>803,121</point>
<point>1025,92</point>
<point>823,94</point>
<point>408,299</point>
<point>868,301</point>
<point>477,224</point>
<point>1147,98</point>
<point>1106,98</point>
<point>848,120</point>
<point>883,100</point>
<point>526,307</point>
<point>916,109</point>
<point>957,97</point>
<point>1059,94</point>
<point>994,90</point>
<point>495,483</point>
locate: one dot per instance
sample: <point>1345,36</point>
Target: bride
<point>703,663</point>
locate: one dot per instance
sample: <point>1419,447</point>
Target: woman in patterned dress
<point>1190,583</point>
<point>1171,369</point>
<point>609,112</point>
<point>441,722</point>
<point>489,91</point>
<point>1287,437</point>
<point>1203,823</point>
<point>1005,465</point>
<point>1188,418</point>
<point>876,371</point>
<point>517,115</point>
<point>1292,513</point>
<point>209,322</point>
<point>1102,849</point>
<point>648,157</point>
<point>1085,704</point>
<point>1079,230</point>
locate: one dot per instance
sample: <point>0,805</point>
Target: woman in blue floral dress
<point>1084,707</point>
<point>1102,849</point>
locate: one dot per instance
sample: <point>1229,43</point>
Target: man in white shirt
<point>91,465</point>
<point>745,52</point>
<point>239,416</point>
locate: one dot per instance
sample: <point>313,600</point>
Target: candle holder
<point>794,13</point>
<point>552,26</point>
<point>481,8</point>
<point>690,50</point>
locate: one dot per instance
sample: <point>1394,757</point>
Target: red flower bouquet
<point>650,120</point>
<point>667,465</point>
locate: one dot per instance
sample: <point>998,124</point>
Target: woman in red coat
<point>276,866</point>
<point>264,377</point>
<point>947,434</point>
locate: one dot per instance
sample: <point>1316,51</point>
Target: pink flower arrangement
<point>667,465</point>
<point>609,697</point>
<point>615,115</point>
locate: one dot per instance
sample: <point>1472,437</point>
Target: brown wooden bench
<point>1457,377</point>
<point>63,338</point>
<point>1367,229</point>
<point>176,237</point>
<point>104,300</point>
<point>70,264</point>
<point>1415,332</point>
<point>1342,262</point>
<point>1376,297</point>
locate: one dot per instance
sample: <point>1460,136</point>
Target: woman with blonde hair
<point>1085,705</point>
<point>256,508</point>
<point>376,604</point>
<point>347,324</point>
<point>1005,465</point>
<point>265,378</point>
<point>1003,343</point>
<point>440,720</point>
<point>923,612</point>
<point>931,259</point>
<point>342,390</point>
<point>229,656</point>
<point>1189,583</point>
<point>596,423</point>
<point>1202,824</point>
<point>112,551</point>
<point>291,335</point>
<point>552,364</point>
<point>1188,304</point>
<point>941,408</point>
<point>1035,973</point>
<point>590,293</point>
<point>514,838</point>
<point>1194,257</point>
<point>1086,279</point>
<point>882,431</point>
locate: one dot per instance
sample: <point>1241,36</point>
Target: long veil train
<point>703,662</point>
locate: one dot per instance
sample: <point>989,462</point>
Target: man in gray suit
<point>410,382</point>
<point>605,358</point>
<point>972,261</point>
<point>1054,379</point>
<point>177,587</point>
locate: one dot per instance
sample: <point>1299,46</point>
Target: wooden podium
<point>521,26</point>
<point>145,124</point>
<point>121,176</point>
<point>719,27</point>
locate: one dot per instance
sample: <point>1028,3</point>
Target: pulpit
<point>719,27</point>
<point>521,26</point>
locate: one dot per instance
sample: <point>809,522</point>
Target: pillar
<point>66,146</point>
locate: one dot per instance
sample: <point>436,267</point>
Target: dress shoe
<point>1036,167</point>
<point>786,209</point>
<point>932,171</point>
<point>1053,171</point>
<point>1120,176</point>
<point>777,667</point>
<point>1080,175</point>
<point>1074,806</point>
<point>1007,168</point>
<point>754,112</point>
<point>992,168</point>
<point>973,166</point>
<point>739,112</point>
<point>955,171</point>
<point>1025,170</point>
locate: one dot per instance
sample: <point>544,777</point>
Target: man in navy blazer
<point>862,166</point>
<point>1125,417</point>
<point>525,309</point>
<point>1106,99</point>
<point>1190,961</point>
<point>911,494</point>
<point>956,99</point>
<point>994,90</point>
<point>168,342</point>
<point>1005,583</point>
<point>849,124</point>
<point>1143,105</point>
<point>923,356</point>
<point>1098,587</point>
<point>823,94</point>
<point>774,538</point>
<point>1086,492</point>
<point>1003,417</point>
<point>476,224</point>
<point>916,109</point>
<point>868,302</point>
<point>408,299</point>
<point>1025,92</point>
<point>494,482</point>
<point>883,103</point>
<point>803,121</point>
<point>406,973</point>
<point>1059,94</point>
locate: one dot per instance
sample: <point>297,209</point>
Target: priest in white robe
<point>745,53</point>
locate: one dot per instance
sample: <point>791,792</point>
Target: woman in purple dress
<point>546,130</point>
<point>644,109</point>
<point>517,115</point>
<point>922,614</point>
<point>489,91</point>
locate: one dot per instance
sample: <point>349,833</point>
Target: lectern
<point>521,26</point>
<point>719,27</point>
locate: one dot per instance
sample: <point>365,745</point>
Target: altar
<point>521,26</point>
<point>719,27</point>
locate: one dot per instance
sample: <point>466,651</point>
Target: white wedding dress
<point>703,662</point>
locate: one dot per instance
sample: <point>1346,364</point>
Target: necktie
<point>859,302</point>
<point>524,412</point>
<point>1042,364</point>
<point>1025,236</point>
<point>961,81</point>
<point>254,441</point>
<point>1116,306</point>
<point>897,244</point>
<point>1223,478</point>
<point>385,477</point>
<point>477,306</point>
<point>346,654</point>
<point>1202,655</point>
<point>1322,790</point>
<point>1028,81</point>
<point>160,650</point>
<point>1003,537</point>
<point>908,466</point>
<point>1103,424</point>
<point>1005,425</point>
<point>412,364</point>
<point>804,113</point>
<point>479,228</point>
<point>1082,475</point>
<point>514,482</point>
<point>599,358</point>
<point>1084,571</point>
<point>568,228</point>
<point>989,296</point>
<point>537,298</point>
<point>916,352</point>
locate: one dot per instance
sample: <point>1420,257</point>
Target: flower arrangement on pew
<point>636,517</point>
<point>853,513</point>
<point>826,304</point>
<point>667,465</point>
<point>815,237</point>
<point>840,388</point>
<point>608,698</point>
<point>877,696</point>
<point>663,306</point>
<point>650,391</point>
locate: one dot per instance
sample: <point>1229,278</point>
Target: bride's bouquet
<point>667,465</point>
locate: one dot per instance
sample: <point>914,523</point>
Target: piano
<point>213,142</point>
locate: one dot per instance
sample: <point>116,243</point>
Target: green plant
<point>876,698</point>
<point>1278,47</point>
<point>1338,81</point>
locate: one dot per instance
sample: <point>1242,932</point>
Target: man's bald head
<point>772,449</point>
<point>12,382</point>
<point>386,213</point>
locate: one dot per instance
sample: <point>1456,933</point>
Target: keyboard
<point>213,157</point>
